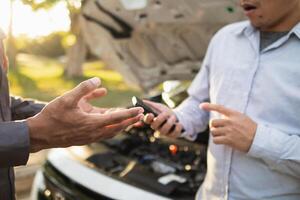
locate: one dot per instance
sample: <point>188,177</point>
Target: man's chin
<point>256,24</point>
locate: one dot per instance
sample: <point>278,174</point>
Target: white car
<point>93,172</point>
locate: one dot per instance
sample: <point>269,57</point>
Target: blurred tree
<point>11,44</point>
<point>49,46</point>
<point>77,52</point>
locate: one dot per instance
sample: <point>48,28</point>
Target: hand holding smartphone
<point>136,102</point>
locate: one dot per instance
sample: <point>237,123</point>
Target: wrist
<point>260,140</point>
<point>36,131</point>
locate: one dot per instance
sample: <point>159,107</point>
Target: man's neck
<point>286,23</point>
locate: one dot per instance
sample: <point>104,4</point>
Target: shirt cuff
<point>188,133</point>
<point>14,143</point>
<point>266,144</point>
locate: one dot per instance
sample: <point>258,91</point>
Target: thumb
<point>155,106</point>
<point>83,89</point>
<point>152,104</point>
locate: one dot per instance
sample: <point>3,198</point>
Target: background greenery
<point>38,70</point>
<point>42,78</point>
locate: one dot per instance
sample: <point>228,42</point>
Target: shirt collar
<point>244,28</point>
<point>296,30</point>
<point>248,29</point>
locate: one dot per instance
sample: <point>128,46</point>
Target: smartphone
<point>136,102</point>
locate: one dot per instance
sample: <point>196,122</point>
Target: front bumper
<point>64,178</point>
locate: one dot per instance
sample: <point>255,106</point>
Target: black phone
<point>136,102</point>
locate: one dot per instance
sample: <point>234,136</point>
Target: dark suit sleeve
<point>22,109</point>
<point>14,135</point>
<point>14,143</point>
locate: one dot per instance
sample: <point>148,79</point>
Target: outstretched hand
<point>70,120</point>
<point>233,129</point>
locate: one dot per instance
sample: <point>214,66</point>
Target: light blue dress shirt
<point>264,85</point>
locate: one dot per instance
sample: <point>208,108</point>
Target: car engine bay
<point>169,167</point>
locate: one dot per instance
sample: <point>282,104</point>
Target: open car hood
<point>150,41</point>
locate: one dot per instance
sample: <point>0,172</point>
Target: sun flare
<point>33,23</point>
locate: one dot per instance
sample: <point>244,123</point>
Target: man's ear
<point>5,62</point>
<point>3,57</point>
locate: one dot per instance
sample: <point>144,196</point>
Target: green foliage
<point>49,46</point>
<point>42,78</point>
<point>36,4</point>
<point>47,4</point>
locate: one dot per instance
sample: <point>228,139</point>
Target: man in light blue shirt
<point>253,89</point>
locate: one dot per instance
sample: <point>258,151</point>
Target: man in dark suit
<point>27,126</point>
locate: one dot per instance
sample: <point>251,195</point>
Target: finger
<point>84,88</point>
<point>97,93</point>
<point>112,130</point>
<point>138,124</point>
<point>159,121</point>
<point>177,131</point>
<point>220,140</point>
<point>115,117</point>
<point>133,120</point>
<point>155,106</point>
<point>218,123</point>
<point>218,131</point>
<point>148,119</point>
<point>99,110</point>
<point>108,132</point>
<point>110,110</point>
<point>166,128</point>
<point>217,108</point>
